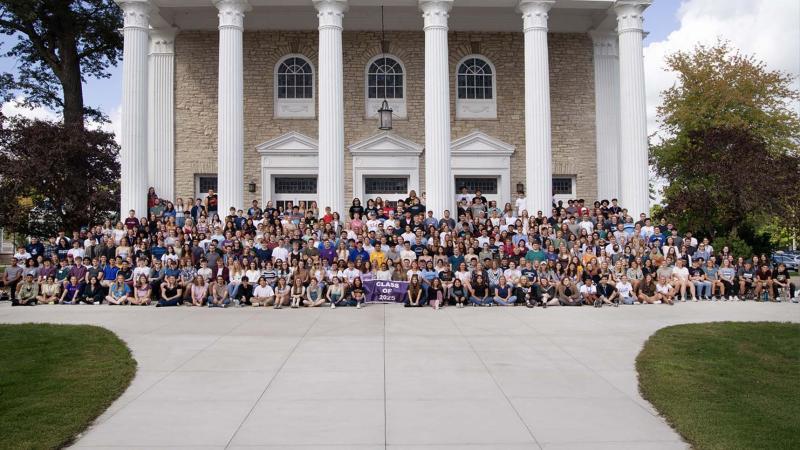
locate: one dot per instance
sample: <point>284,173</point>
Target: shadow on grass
<point>726,385</point>
<point>56,379</point>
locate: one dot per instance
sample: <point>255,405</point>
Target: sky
<point>767,29</point>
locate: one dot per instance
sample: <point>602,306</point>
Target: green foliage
<point>55,176</point>
<point>59,44</point>
<point>736,245</point>
<point>729,148</point>
<point>56,379</point>
<point>726,385</point>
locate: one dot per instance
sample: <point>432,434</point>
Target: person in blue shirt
<point>357,252</point>
<point>456,259</point>
<point>110,273</point>
<point>159,249</point>
<point>172,269</point>
<point>35,248</point>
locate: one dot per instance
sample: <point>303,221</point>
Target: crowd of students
<point>483,255</point>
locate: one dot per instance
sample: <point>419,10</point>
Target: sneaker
<point>616,304</point>
<point>796,300</point>
<point>333,305</point>
<point>358,306</point>
<point>277,306</point>
<point>598,303</point>
<point>544,304</point>
<point>489,304</point>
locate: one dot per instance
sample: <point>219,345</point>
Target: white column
<point>634,188</point>
<point>330,179</point>
<point>439,190</point>
<point>133,157</point>
<point>606,101</point>
<point>230,105</point>
<point>538,151</point>
<point>161,107</point>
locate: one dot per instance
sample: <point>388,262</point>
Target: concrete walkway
<point>387,377</point>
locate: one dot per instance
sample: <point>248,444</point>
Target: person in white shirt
<point>519,203</point>
<point>76,251</point>
<point>280,252</point>
<point>141,269</point>
<point>512,274</point>
<point>464,196</point>
<point>409,236</point>
<point>263,294</point>
<point>23,256</point>
<point>681,281</point>
<point>588,293</point>
<point>625,290</point>
<point>587,225</point>
<point>351,273</point>
<point>204,271</point>
<point>664,291</point>
<point>372,223</point>
<point>483,239</point>
<point>407,253</point>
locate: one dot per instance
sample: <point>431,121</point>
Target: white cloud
<point>766,29</point>
<point>114,126</point>
<point>15,108</point>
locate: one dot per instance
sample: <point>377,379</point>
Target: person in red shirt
<point>328,217</point>
<point>131,222</point>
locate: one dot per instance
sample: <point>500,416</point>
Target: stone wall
<point>571,86</point>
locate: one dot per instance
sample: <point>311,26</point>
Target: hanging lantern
<point>385,113</point>
<point>385,117</point>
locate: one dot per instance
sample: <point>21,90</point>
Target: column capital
<point>162,40</point>
<point>606,43</point>
<point>435,13</point>
<point>630,14</point>
<point>136,13</point>
<point>231,13</point>
<point>330,13</point>
<point>535,13</point>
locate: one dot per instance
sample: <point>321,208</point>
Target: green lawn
<point>56,379</point>
<point>726,385</point>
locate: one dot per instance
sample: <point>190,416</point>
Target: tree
<point>55,176</point>
<point>60,43</point>
<point>729,143</point>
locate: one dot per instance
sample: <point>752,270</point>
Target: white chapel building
<point>277,100</point>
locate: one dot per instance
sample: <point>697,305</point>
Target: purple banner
<point>377,291</point>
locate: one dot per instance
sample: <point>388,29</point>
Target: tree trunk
<point>70,73</point>
<point>71,83</point>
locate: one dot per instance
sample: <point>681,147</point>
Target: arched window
<point>385,79</point>
<point>475,88</point>
<point>295,78</point>
<point>475,79</point>
<point>294,87</point>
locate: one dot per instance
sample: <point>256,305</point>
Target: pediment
<point>386,143</point>
<point>290,143</point>
<point>480,143</point>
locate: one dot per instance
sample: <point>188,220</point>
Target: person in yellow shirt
<point>377,258</point>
